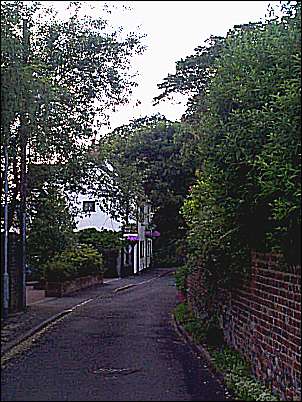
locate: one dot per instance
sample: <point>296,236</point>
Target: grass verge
<point>234,368</point>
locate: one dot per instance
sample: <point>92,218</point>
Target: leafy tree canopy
<point>248,190</point>
<point>60,79</point>
<point>150,160</point>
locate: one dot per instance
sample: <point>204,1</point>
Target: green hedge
<point>101,240</point>
<point>74,263</point>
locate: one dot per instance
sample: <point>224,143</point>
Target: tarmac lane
<point>119,347</point>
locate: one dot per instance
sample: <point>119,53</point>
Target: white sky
<point>174,29</point>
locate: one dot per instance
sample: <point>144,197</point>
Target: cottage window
<point>89,206</point>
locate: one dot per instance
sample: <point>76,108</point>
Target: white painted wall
<point>98,219</point>
<point>144,260</point>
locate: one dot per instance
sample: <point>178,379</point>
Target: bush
<point>182,313</point>
<point>238,376</point>
<point>74,263</point>
<point>101,240</point>
<point>235,368</point>
<point>161,259</point>
<point>196,328</point>
<point>107,242</point>
<point>181,278</point>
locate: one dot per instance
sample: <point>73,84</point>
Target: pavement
<point>41,310</point>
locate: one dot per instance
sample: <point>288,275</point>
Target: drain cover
<point>116,371</point>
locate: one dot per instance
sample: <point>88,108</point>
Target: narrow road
<point>118,347</point>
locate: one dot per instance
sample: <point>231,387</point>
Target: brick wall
<point>262,319</point>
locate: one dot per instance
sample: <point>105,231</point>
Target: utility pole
<point>23,178</point>
<point>5,256</point>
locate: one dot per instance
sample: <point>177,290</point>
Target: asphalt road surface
<point>118,347</point>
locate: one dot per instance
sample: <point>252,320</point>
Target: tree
<point>76,71</point>
<point>50,229</point>
<point>247,193</point>
<point>149,159</point>
<point>192,77</point>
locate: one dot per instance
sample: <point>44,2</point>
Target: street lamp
<point>5,271</point>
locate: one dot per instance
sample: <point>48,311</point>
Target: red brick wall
<point>262,319</point>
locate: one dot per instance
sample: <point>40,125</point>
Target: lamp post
<point>5,271</point>
<point>23,173</point>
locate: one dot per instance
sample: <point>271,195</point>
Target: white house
<point>138,255</point>
<point>140,235</point>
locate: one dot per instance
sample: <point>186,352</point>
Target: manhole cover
<point>115,371</point>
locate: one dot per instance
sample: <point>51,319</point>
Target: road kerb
<point>125,287</point>
<point>10,345</point>
<point>143,282</point>
<point>39,327</point>
<point>32,331</point>
<point>202,352</point>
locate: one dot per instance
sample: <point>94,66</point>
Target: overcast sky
<point>174,29</point>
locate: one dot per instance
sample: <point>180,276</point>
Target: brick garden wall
<point>262,319</point>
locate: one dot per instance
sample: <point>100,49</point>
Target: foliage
<point>245,123</point>
<point>107,242</point>
<point>244,112</point>
<point>181,278</point>
<point>182,313</point>
<point>50,229</point>
<point>149,160</point>
<point>60,80</point>
<point>101,240</point>
<point>235,369</point>
<point>165,250</point>
<point>73,263</point>
<point>238,378</point>
<point>193,326</point>
<point>212,237</point>
<point>192,77</point>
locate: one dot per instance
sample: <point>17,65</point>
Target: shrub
<point>197,329</point>
<point>181,277</point>
<point>231,363</point>
<point>192,325</point>
<point>164,262</point>
<point>182,313</point>
<point>106,242</point>
<point>74,263</point>
<point>101,240</point>
<point>238,376</point>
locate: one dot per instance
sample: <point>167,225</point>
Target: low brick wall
<point>59,289</point>
<point>262,319</point>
